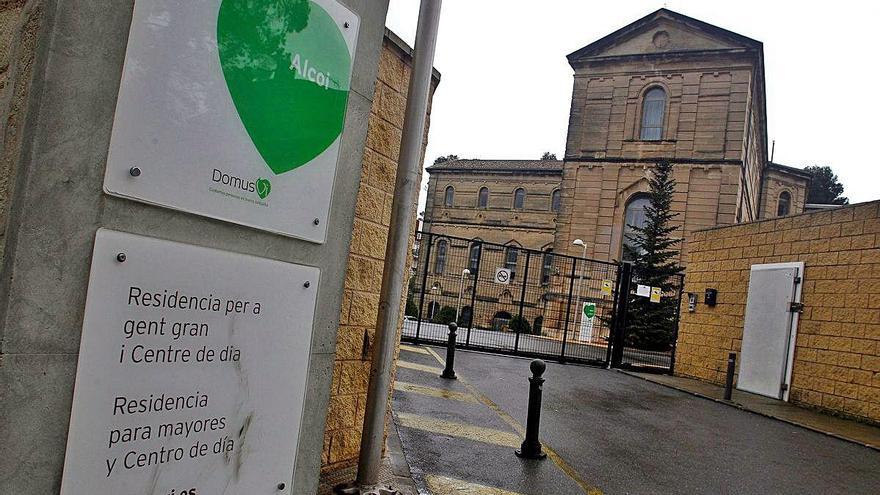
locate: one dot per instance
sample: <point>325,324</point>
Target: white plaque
<point>192,371</point>
<point>643,290</point>
<point>234,109</point>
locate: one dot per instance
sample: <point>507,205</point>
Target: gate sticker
<point>655,294</point>
<point>607,287</point>
<point>502,276</point>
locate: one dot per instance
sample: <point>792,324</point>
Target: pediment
<point>664,31</point>
<point>641,185</point>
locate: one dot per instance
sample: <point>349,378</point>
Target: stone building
<point>492,210</point>
<point>666,87</point>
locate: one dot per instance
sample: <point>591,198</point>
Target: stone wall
<point>366,261</point>
<point>60,67</point>
<point>19,25</point>
<point>837,355</point>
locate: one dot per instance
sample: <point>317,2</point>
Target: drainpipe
<point>397,249</point>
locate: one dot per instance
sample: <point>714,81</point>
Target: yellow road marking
<point>434,392</point>
<point>452,429</point>
<point>404,347</point>
<point>441,485</point>
<point>552,454</point>
<point>418,367</point>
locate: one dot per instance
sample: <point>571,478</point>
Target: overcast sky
<point>506,85</point>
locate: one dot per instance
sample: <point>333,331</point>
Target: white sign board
<point>643,290</point>
<point>588,311</point>
<point>234,110</point>
<point>502,276</point>
<point>192,370</point>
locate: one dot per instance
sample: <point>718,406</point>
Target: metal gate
<point>646,322</point>
<point>511,300</point>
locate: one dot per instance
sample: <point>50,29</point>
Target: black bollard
<point>531,447</point>
<point>449,370</point>
<point>728,385</point>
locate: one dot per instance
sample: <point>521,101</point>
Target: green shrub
<point>445,316</point>
<point>520,325</point>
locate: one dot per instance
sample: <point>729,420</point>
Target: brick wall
<point>363,279</point>
<point>837,355</point>
<point>19,25</point>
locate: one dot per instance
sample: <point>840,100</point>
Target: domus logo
<point>261,185</point>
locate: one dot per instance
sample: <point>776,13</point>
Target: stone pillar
<point>56,136</point>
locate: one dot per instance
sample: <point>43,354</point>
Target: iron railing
<point>551,305</point>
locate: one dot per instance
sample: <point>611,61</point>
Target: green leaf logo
<point>264,187</point>
<point>589,310</point>
<point>287,68</point>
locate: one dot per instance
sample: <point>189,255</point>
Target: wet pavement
<point>605,432</point>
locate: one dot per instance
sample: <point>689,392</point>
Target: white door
<point>770,329</point>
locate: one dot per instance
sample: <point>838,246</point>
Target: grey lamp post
<point>464,273</point>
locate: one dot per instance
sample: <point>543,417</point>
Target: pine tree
<point>653,252</point>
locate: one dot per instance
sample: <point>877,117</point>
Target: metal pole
<point>531,446</point>
<point>620,316</point>
<point>568,309</point>
<point>464,273</point>
<point>449,369</point>
<point>728,384</point>
<point>614,304</point>
<point>467,340</point>
<point>424,281</point>
<point>577,294</point>
<point>675,327</point>
<point>522,299</point>
<point>406,187</point>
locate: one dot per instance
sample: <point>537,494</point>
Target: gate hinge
<point>797,280</point>
<point>784,387</point>
<point>796,307</point>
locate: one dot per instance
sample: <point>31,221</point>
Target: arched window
<point>440,258</point>
<point>783,207</point>
<point>450,196</point>
<point>653,109</point>
<point>510,259</point>
<point>547,267</point>
<point>556,200</point>
<point>633,217</point>
<point>519,199</point>
<point>483,198</point>
<point>474,257</point>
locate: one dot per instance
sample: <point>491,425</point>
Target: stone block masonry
<point>837,354</point>
<point>366,261</point>
<point>19,22</point>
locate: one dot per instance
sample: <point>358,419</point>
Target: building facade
<point>666,87</point>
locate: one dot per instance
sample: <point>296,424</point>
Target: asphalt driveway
<point>623,435</point>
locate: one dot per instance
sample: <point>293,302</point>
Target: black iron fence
<point>513,300</point>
